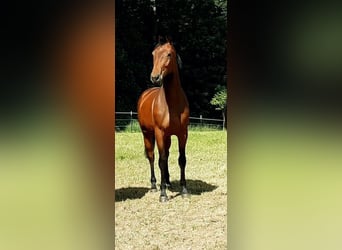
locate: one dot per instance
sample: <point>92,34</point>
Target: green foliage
<point>135,128</point>
<point>220,99</point>
<point>205,127</point>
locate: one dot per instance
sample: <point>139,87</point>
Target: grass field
<point>200,222</point>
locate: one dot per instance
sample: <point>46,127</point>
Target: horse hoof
<point>153,187</point>
<point>163,199</point>
<point>186,195</point>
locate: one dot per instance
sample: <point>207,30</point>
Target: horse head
<point>164,62</point>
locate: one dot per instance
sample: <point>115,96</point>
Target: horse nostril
<point>154,79</point>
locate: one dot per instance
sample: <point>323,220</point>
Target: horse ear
<point>168,39</point>
<point>161,40</point>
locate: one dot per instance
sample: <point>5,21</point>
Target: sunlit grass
<point>142,222</point>
<point>205,151</point>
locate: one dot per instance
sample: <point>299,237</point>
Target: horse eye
<point>169,55</point>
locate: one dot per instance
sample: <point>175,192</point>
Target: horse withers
<point>162,112</point>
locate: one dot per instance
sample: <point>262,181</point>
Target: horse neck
<point>172,88</point>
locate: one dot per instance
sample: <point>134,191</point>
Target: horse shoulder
<point>145,112</point>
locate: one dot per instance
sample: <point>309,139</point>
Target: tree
<point>220,100</point>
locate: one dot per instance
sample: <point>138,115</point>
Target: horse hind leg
<point>182,163</point>
<point>149,142</point>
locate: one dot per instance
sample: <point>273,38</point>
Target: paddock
<point>141,222</point>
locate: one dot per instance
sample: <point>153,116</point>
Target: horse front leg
<point>163,165</point>
<point>153,177</point>
<point>163,157</point>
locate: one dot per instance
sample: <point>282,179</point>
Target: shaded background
<point>198,29</point>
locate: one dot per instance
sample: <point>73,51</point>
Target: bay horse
<point>162,112</point>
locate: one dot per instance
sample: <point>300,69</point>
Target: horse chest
<point>171,115</point>
<point>167,120</point>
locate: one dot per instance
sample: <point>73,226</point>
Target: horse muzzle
<point>157,79</point>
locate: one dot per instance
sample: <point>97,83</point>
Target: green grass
<point>134,127</point>
<point>142,222</point>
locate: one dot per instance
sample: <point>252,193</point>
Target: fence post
<point>131,120</point>
<point>201,121</point>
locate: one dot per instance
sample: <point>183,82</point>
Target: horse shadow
<point>195,187</point>
<point>131,193</point>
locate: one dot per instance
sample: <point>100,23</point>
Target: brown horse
<point>164,111</point>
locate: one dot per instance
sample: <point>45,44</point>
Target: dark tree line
<point>198,29</point>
